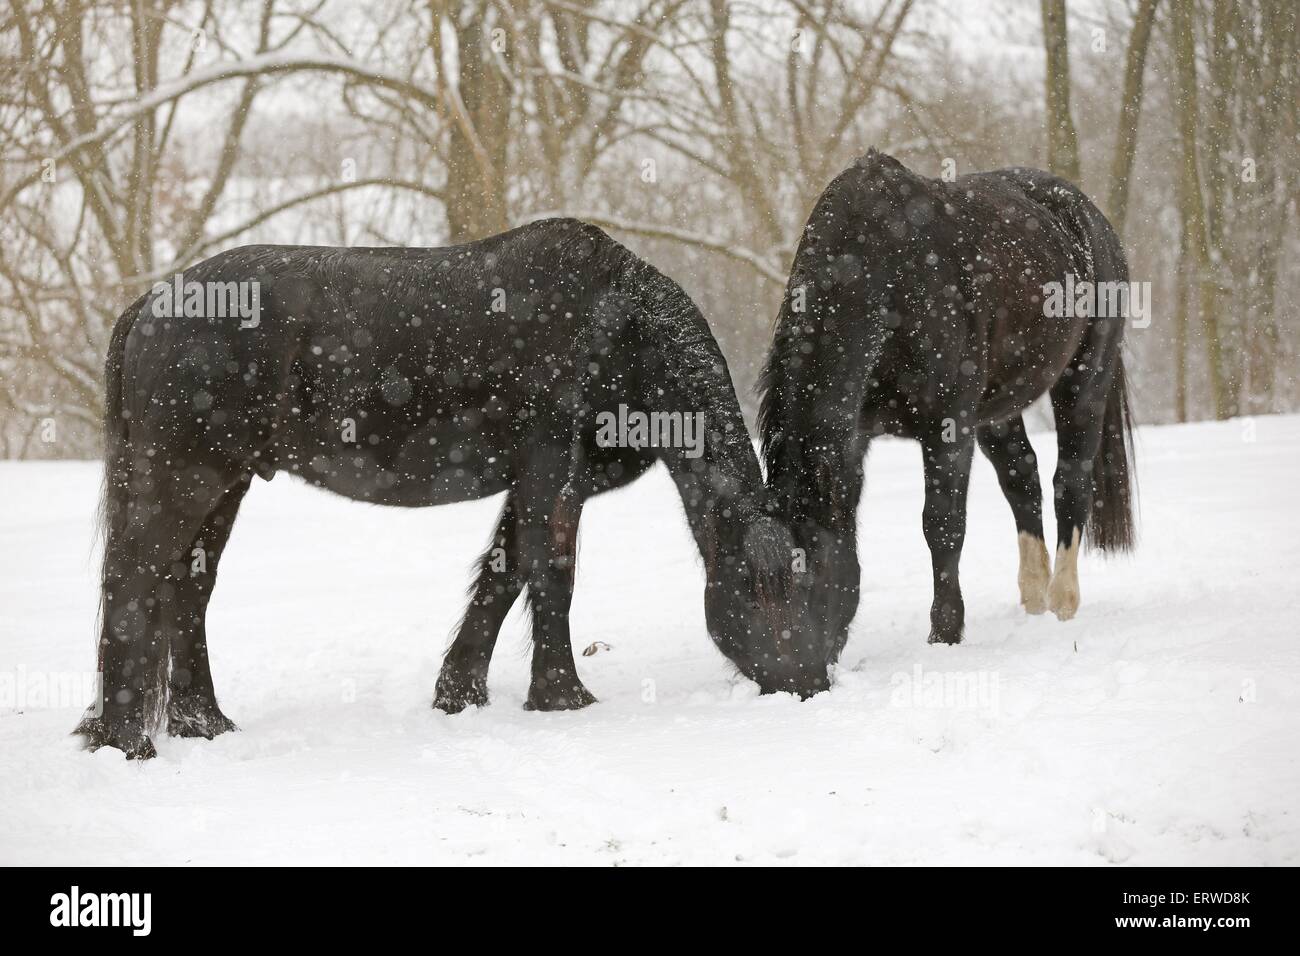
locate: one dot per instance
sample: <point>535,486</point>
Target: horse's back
<point>402,376</point>
<point>943,280</point>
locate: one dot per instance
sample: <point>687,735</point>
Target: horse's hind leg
<point>548,551</point>
<point>192,709</point>
<point>1007,447</point>
<point>1079,406</point>
<point>947,477</point>
<point>462,682</point>
<point>145,563</point>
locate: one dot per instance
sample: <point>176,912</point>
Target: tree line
<point>141,136</point>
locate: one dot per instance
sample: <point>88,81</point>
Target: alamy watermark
<point>1082,298</point>
<point>179,299</point>
<point>21,689</point>
<point>945,690</point>
<point>129,910</point>
<point>636,429</point>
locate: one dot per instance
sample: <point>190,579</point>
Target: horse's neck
<point>819,482</point>
<point>717,496</point>
<point>723,481</point>
<point>812,411</point>
<point>813,437</point>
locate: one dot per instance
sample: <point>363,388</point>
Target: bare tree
<point>138,138</point>
<point>1130,112</point>
<point>1192,205</point>
<point>1062,141</point>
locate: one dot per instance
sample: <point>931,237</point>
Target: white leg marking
<point>1063,592</point>
<point>1035,572</point>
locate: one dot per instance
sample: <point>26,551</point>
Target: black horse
<point>417,377</point>
<point>919,308</point>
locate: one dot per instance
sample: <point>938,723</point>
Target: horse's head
<point>832,576</point>
<point>817,495</point>
<point>757,610</point>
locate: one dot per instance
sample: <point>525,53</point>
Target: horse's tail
<point>115,490</point>
<point>1111,525</point>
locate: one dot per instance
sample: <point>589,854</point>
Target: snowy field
<point>1159,727</point>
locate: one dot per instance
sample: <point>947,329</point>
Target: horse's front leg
<point>947,475</point>
<point>462,681</point>
<point>548,551</point>
<point>1007,447</point>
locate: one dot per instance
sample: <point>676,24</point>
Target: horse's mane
<point>770,385</point>
<point>670,321</point>
<point>769,390</point>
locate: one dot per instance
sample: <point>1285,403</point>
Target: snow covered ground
<point>1160,726</point>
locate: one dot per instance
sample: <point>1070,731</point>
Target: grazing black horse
<point>916,307</point>
<point>417,377</point>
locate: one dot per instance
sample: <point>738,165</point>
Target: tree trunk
<point>756,194</point>
<point>146,24</point>
<point>1181,295</point>
<point>1192,205</point>
<point>1274,126</point>
<point>1222,47</point>
<point>476,105</point>
<point>1130,110</point>
<point>1062,141</point>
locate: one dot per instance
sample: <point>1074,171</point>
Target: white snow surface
<point>1158,727</point>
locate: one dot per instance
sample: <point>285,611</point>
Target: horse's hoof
<point>455,692</point>
<point>1035,574</point>
<point>1063,598</point>
<point>1066,609</point>
<point>1034,602</point>
<point>944,637</point>
<point>574,697</point>
<point>196,717</point>
<point>96,732</point>
<point>947,622</point>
